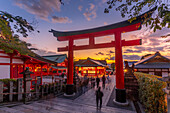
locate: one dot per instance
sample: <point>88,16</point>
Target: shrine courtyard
<point>83,104</point>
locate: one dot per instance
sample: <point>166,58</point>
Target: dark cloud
<point>108,54</point>
<point>154,41</point>
<point>159,33</point>
<point>41,8</point>
<point>42,52</point>
<point>139,47</point>
<point>131,57</point>
<point>154,49</point>
<point>99,53</point>
<point>150,49</point>
<point>56,19</point>
<point>132,51</point>
<point>111,51</point>
<point>112,58</point>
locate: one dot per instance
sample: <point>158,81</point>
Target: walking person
<point>103,80</point>
<point>97,81</point>
<point>109,81</point>
<point>99,95</point>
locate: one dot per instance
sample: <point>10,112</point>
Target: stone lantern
<point>27,82</point>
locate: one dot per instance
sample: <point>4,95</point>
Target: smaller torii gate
<point>115,29</point>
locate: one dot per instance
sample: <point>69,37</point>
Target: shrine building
<point>60,65</point>
<point>12,64</point>
<point>91,67</point>
<point>154,64</point>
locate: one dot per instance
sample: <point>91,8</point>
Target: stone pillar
<point>28,85</point>
<point>36,90</point>
<point>1,91</point>
<point>19,88</point>
<point>10,90</point>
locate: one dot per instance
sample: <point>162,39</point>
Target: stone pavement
<point>83,104</point>
<point>90,98</point>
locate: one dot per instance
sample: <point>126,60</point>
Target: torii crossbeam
<point>115,29</point>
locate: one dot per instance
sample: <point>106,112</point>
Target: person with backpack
<point>99,95</point>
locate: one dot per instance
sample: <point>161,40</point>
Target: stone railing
<point>13,91</point>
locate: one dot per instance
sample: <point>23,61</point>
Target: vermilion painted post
<point>70,63</point>
<point>11,67</point>
<point>120,91</point>
<point>41,74</point>
<point>70,86</point>
<point>119,62</point>
<point>95,71</point>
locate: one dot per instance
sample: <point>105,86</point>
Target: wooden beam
<point>103,45</point>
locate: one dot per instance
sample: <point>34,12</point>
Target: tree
<point>133,8</point>
<point>10,41</point>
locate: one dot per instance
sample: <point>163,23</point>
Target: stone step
<point>74,107</point>
<point>38,109</point>
<point>25,110</point>
<point>60,108</point>
<point>132,79</point>
<point>131,84</point>
<point>105,109</point>
<point>9,110</point>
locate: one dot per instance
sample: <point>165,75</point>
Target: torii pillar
<point>115,29</point>
<point>70,86</point>
<point>120,89</point>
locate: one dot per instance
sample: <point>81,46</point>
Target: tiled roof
<point>59,67</point>
<point>150,62</point>
<point>151,57</point>
<point>154,65</point>
<point>90,63</point>
<point>56,58</point>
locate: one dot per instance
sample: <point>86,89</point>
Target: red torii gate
<point>115,29</point>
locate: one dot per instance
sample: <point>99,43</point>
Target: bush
<point>6,80</point>
<point>151,93</point>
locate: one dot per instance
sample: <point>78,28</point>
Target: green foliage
<point>133,8</point>
<point>20,25</point>
<point>10,41</point>
<point>6,80</point>
<point>151,93</point>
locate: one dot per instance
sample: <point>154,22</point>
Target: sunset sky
<point>82,14</point>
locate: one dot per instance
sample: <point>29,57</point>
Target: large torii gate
<point>115,29</point>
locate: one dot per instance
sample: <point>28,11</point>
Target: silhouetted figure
<point>97,81</point>
<point>99,95</point>
<point>62,75</point>
<point>103,80</point>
